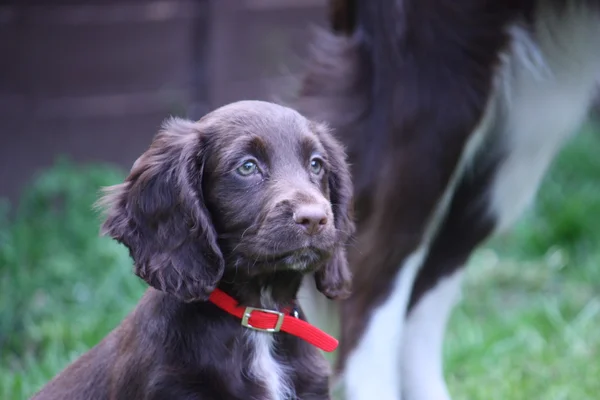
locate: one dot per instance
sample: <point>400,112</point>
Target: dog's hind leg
<point>543,91</point>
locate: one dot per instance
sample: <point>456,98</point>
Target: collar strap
<point>264,320</point>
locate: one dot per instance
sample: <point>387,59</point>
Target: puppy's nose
<point>311,217</point>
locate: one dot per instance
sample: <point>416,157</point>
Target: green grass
<point>529,325</point>
<point>528,328</point>
<point>62,287</point>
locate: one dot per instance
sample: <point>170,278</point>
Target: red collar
<point>273,321</point>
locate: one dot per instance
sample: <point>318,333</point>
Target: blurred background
<point>84,86</point>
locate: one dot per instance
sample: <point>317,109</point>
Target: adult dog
<point>451,112</point>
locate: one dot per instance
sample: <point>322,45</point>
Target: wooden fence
<point>94,79</point>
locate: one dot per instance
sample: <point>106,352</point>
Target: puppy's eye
<point>247,168</point>
<point>316,165</point>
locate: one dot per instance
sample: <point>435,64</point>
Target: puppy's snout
<point>311,217</point>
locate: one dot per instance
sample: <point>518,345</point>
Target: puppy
<point>223,218</point>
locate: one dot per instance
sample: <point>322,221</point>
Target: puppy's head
<point>252,186</point>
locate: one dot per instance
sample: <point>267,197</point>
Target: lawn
<point>528,328</point>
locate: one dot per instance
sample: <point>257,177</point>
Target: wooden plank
<point>257,43</point>
<point>91,82</point>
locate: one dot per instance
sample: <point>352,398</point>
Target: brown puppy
<point>247,200</point>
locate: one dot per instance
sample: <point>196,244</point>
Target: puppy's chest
<point>285,374</point>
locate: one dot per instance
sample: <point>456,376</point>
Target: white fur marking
<point>422,367</point>
<point>547,89</point>
<point>371,372</point>
<point>264,366</point>
<point>266,369</point>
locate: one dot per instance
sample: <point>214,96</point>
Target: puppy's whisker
<point>242,237</point>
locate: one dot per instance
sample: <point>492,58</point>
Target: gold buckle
<point>249,310</point>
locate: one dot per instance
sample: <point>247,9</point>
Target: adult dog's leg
<point>421,365</point>
<point>543,91</point>
<point>405,86</point>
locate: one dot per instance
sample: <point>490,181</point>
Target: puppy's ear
<point>335,279</point>
<point>158,213</point>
